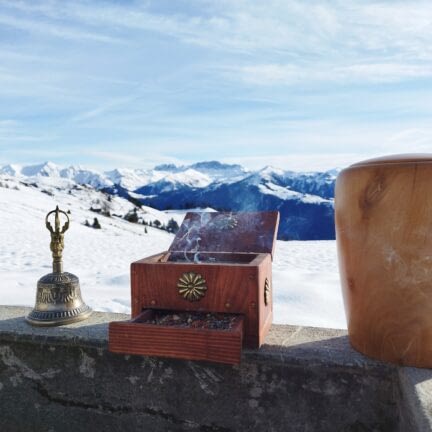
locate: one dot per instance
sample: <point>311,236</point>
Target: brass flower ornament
<point>192,286</point>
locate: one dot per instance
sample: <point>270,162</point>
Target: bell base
<point>51,319</point>
<point>58,301</point>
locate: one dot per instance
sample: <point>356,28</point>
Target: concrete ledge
<point>303,379</point>
<point>416,399</point>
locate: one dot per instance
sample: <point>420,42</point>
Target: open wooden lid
<point>227,232</point>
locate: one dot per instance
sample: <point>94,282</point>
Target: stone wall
<point>303,379</point>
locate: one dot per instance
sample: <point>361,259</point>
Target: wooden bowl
<point>383,213</point>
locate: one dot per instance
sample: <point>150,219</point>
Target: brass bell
<point>58,296</point>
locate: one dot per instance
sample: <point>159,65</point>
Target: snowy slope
<point>305,279</point>
<point>100,258</point>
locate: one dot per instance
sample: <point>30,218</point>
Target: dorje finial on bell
<point>58,296</point>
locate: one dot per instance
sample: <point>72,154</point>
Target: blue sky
<point>296,84</point>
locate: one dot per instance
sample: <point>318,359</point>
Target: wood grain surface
<point>135,337</point>
<point>231,288</point>
<point>384,238</point>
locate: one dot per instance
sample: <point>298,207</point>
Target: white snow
<point>269,172</point>
<point>83,176</point>
<point>132,179</point>
<point>189,177</point>
<point>315,199</point>
<point>285,193</point>
<point>279,191</point>
<point>306,285</point>
<point>47,169</point>
<point>305,276</point>
<point>10,169</point>
<point>195,210</point>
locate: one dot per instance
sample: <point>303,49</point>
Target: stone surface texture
<point>416,399</point>
<point>302,379</point>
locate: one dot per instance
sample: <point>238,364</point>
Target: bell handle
<point>57,211</point>
<point>57,235</point>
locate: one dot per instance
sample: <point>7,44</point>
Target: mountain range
<point>304,200</point>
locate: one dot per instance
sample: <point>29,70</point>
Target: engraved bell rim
<point>58,278</point>
<point>53,319</point>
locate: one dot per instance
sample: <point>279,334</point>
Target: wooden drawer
<point>140,336</point>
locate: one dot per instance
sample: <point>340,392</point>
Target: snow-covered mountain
<point>214,169</point>
<point>49,170</point>
<point>305,200</point>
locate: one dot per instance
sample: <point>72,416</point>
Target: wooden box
<point>217,263</point>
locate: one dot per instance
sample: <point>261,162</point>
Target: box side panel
<point>135,297</point>
<point>251,325</point>
<point>265,301</point>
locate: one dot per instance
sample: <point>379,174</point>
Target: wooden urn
<point>219,266</point>
<point>384,236</point>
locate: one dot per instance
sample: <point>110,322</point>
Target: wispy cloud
<point>192,80</point>
<point>301,162</point>
<point>102,109</point>
<point>8,124</point>
<point>291,74</point>
<point>303,28</point>
<point>118,160</point>
<point>61,31</point>
<point>14,133</point>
